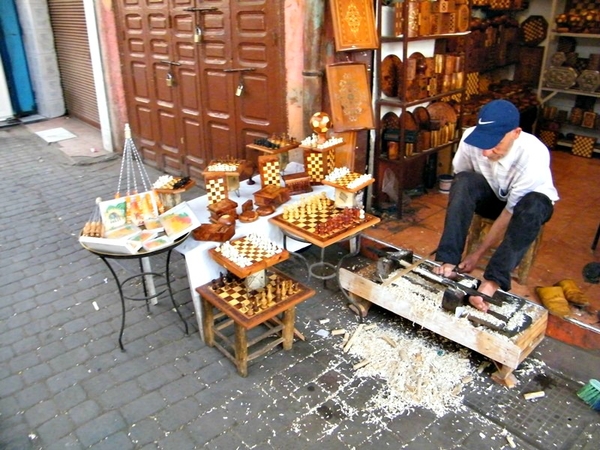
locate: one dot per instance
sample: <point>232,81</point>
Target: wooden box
<point>221,208</point>
<point>214,232</point>
<point>297,183</point>
<point>272,195</point>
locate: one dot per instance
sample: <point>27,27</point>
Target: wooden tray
<point>259,260</point>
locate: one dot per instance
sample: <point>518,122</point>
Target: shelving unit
<point>504,58</point>
<point>569,84</point>
<point>418,64</point>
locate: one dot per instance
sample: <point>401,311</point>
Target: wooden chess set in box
<point>347,184</point>
<point>229,168</point>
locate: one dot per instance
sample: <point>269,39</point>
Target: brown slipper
<point>553,298</point>
<point>572,292</point>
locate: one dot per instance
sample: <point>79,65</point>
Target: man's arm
<point>493,236</point>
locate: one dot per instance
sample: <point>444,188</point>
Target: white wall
<point>6,110</point>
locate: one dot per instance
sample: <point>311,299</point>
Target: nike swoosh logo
<point>485,123</point>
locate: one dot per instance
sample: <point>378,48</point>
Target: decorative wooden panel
<point>350,96</point>
<point>354,25</point>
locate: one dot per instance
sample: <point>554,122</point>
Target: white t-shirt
<point>524,169</point>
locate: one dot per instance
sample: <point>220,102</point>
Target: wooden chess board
<point>270,170</point>
<point>248,308</point>
<point>216,189</point>
<point>343,182</point>
<point>260,259</point>
<point>305,226</point>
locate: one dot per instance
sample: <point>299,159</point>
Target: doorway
<point>203,78</point>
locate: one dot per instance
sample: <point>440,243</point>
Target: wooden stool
<point>480,227</point>
<point>230,301</point>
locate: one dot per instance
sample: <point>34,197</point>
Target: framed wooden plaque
<point>350,96</point>
<point>354,25</point>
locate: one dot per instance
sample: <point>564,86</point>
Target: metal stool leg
<point>120,287</point>
<point>167,274</point>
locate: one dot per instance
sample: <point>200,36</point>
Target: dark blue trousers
<point>470,193</point>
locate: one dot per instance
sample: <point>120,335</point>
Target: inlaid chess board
<point>248,307</point>
<point>305,225</point>
<point>259,258</point>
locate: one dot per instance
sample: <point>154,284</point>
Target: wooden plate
<point>391,69</point>
<point>442,112</point>
<point>248,216</point>
<point>408,121</point>
<point>421,116</point>
<point>390,120</point>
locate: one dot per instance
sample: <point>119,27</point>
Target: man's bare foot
<point>488,288</point>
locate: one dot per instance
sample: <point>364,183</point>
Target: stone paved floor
<point>64,383</point>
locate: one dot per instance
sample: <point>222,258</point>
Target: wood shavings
<point>534,395</point>
<point>352,339</point>
<point>511,441</point>
<point>416,372</point>
<point>361,364</point>
<point>389,340</point>
<point>338,332</point>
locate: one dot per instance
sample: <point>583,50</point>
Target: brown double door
<point>202,78</point>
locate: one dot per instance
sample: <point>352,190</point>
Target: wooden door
<point>203,48</point>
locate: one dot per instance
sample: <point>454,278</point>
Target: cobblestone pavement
<point>64,382</point>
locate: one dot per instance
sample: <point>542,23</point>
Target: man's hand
<point>488,288</point>
<point>446,270</point>
<point>468,264</point>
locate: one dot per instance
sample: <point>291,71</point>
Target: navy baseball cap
<point>496,118</point>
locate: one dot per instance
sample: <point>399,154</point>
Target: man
<point>501,173</point>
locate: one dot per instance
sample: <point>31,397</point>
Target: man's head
<point>496,119</point>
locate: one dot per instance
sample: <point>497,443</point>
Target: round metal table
<point>145,274</point>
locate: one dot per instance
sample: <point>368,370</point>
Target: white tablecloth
<point>201,268</point>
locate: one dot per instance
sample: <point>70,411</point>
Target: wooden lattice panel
<point>270,171</point>
<point>216,189</point>
<point>549,138</point>
<point>318,164</point>
<point>583,146</point>
<point>472,87</point>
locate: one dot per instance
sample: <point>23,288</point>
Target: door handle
<point>240,69</point>
<point>200,10</point>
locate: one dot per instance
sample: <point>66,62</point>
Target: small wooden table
<point>233,302</point>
